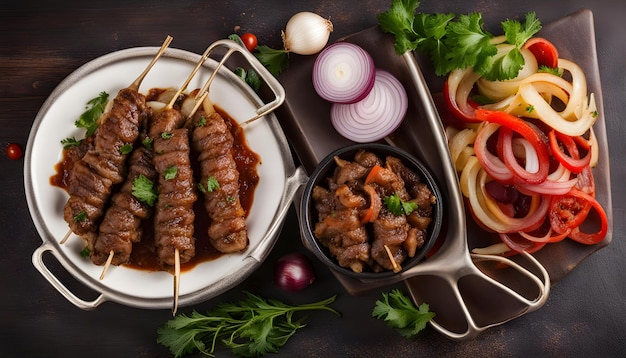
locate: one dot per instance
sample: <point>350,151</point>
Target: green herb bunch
<point>252,327</point>
<point>458,42</point>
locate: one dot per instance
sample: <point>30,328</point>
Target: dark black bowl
<point>308,214</point>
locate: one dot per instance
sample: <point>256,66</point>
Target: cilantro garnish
<point>170,173</point>
<point>89,118</point>
<point>201,122</point>
<point>250,77</point>
<point>458,42</point>
<point>147,142</point>
<point>85,253</point>
<point>252,327</point>
<point>212,184</point>
<point>397,206</point>
<point>82,216</point>
<point>71,142</point>
<point>166,135</point>
<point>399,312</point>
<point>276,61</point>
<point>126,148</point>
<point>143,190</point>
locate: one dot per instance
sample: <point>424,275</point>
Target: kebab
<point>219,179</point>
<point>103,165</point>
<point>121,224</point>
<point>174,215</point>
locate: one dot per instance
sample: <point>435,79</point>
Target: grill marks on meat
<point>174,215</point>
<point>358,240</point>
<point>213,141</point>
<point>103,165</point>
<point>120,227</point>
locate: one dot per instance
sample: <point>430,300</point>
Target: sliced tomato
<point>545,52</point>
<point>568,211</point>
<point>590,238</point>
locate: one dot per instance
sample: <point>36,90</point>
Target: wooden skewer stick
<point>107,264</point>
<point>182,88</point>
<point>396,267</point>
<point>135,85</point>
<point>176,281</point>
<point>64,239</point>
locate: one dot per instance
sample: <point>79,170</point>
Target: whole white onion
<point>306,33</point>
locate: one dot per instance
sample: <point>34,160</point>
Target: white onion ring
<point>375,116</point>
<point>343,73</point>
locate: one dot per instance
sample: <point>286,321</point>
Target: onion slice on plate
<point>343,73</point>
<point>375,116</point>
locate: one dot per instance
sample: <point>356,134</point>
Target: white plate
<point>55,121</point>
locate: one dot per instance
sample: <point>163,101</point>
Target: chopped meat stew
<point>356,220</point>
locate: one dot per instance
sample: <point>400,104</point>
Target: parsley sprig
<point>143,189</point>
<point>89,118</point>
<point>399,312</point>
<point>399,207</point>
<point>251,327</point>
<point>458,42</point>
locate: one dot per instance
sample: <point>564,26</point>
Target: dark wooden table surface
<point>42,42</point>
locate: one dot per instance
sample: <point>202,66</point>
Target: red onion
<point>375,116</point>
<point>293,272</point>
<point>343,73</point>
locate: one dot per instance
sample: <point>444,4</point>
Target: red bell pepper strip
<point>545,52</point>
<point>570,160</point>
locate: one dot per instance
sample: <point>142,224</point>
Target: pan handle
<point>474,300</point>
<point>37,260</point>
<point>292,185</point>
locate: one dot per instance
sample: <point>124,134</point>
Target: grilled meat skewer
<point>213,141</point>
<point>103,165</point>
<point>174,215</point>
<point>120,226</point>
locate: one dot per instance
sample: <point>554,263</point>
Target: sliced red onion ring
<point>343,73</point>
<point>375,116</point>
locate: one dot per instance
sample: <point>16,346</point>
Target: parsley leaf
<point>201,122</point>
<point>85,252</point>
<point>250,77</point>
<point>71,142</point>
<point>469,44</point>
<point>144,190</point>
<point>82,216</point>
<point>251,327</point>
<point>212,184</point>
<point>276,61</point>
<point>89,118</point>
<point>170,173</point>
<point>399,312</point>
<point>458,43</point>
<point>126,148</point>
<point>147,142</point>
<point>397,206</point>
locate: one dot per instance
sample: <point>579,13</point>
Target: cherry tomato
<point>14,151</point>
<point>249,40</point>
<point>545,52</point>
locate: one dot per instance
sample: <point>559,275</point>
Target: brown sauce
<point>143,257</point>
